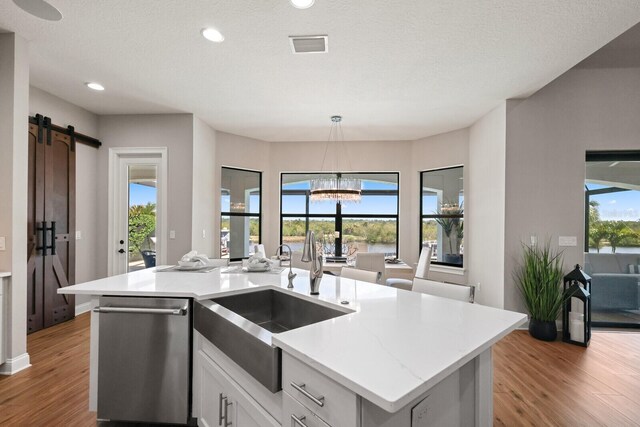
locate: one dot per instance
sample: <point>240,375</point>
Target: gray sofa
<point>612,286</point>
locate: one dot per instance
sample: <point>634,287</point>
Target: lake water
<point>619,250</point>
<point>376,247</point>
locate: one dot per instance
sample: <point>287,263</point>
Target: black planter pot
<point>541,330</point>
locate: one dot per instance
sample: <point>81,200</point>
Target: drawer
<point>296,415</point>
<point>332,402</point>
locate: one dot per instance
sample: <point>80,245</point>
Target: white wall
<point>174,131</point>
<point>485,200</point>
<point>436,152</point>
<point>63,113</point>
<point>14,154</point>
<point>203,239</point>
<point>547,137</point>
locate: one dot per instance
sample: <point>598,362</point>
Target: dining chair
<point>372,261</point>
<point>357,274</point>
<point>447,290</point>
<point>296,261</point>
<point>422,271</point>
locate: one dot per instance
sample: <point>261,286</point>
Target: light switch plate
<point>3,244</point>
<point>567,241</point>
<point>78,235</point>
<point>172,234</point>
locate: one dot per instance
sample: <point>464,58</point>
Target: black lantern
<point>576,310</point>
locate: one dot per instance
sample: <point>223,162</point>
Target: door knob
<point>122,242</point>
<point>121,251</point>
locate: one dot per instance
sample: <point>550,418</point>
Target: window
<point>370,225</point>
<point>612,237</point>
<point>240,207</point>
<point>442,214</point>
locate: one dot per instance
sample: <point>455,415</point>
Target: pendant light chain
<point>336,188</point>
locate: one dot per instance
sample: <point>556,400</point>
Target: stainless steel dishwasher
<point>144,360</point>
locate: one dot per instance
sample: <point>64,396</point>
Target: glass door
<point>137,209</point>
<point>612,241</point>
<point>141,216</point>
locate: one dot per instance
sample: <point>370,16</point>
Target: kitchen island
<point>403,356</point>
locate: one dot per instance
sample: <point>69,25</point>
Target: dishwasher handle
<point>181,311</point>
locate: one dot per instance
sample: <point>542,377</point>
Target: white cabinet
<point>224,395</point>
<point>219,401</point>
<point>296,415</point>
<point>330,401</point>
<point>313,395</point>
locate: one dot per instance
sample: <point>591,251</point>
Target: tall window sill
<point>458,271</point>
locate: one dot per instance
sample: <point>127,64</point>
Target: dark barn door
<point>51,227</point>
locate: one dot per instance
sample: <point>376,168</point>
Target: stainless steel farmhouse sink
<point>241,326</point>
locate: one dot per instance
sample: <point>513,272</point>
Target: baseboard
<point>83,308</point>
<point>525,326</point>
<point>15,364</point>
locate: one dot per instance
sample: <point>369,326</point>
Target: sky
<point>624,206</point>
<point>613,206</point>
<point>141,194</point>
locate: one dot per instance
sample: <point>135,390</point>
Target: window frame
<point>424,216</point>
<point>338,216</point>
<point>241,214</point>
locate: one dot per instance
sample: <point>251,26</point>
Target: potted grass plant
<point>539,279</point>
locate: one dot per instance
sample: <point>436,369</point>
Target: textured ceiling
<point>395,70</point>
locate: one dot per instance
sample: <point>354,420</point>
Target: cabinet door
<point>211,394</point>
<point>218,400</point>
<point>243,418</point>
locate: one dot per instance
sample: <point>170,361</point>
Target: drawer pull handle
<point>298,421</point>
<point>220,416</point>
<point>227,423</point>
<point>317,400</point>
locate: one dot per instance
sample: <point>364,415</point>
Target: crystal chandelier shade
<point>335,187</point>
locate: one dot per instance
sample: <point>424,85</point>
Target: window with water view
<point>240,212</point>
<point>370,225</point>
<point>442,215</point>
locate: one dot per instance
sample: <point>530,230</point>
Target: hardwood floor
<point>535,384</point>
<point>555,384</point>
<point>54,391</point>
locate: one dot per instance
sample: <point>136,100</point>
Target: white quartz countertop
<point>395,346</point>
<point>5,274</point>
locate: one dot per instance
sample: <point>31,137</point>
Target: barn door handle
<point>43,239</point>
<point>44,230</point>
<point>53,238</point>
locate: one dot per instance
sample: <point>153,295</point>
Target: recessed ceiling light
<point>302,4</point>
<point>213,35</point>
<point>94,86</point>
<point>40,9</point>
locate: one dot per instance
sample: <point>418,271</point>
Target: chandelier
<point>335,187</point>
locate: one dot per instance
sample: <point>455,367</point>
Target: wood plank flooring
<point>555,384</point>
<point>54,391</point>
<point>535,383</point>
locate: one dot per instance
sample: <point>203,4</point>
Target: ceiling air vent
<point>309,44</point>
